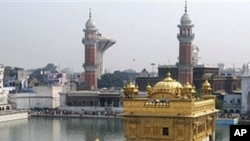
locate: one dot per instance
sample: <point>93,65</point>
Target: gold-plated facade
<point>170,112</point>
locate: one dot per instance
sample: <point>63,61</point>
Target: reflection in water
<point>104,129</point>
<point>222,133</point>
<point>13,130</point>
<point>72,129</point>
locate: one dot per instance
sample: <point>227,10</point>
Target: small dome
<point>130,85</point>
<point>185,19</point>
<point>148,87</point>
<point>187,86</point>
<point>167,85</point>
<point>206,84</point>
<point>130,90</point>
<point>90,24</point>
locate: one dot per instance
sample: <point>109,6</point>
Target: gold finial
<point>168,74</point>
<point>168,77</point>
<point>148,86</point>
<point>187,85</point>
<point>96,138</point>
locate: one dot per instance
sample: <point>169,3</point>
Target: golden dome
<point>187,86</point>
<point>148,87</point>
<point>130,85</point>
<point>130,90</point>
<point>206,84</point>
<point>167,85</point>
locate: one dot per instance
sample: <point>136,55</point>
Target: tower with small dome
<point>185,37</point>
<point>95,46</point>
<point>90,41</point>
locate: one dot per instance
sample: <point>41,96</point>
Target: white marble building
<point>45,96</point>
<point>245,87</point>
<point>232,103</point>
<point>3,94</point>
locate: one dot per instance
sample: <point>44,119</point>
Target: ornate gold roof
<point>188,88</point>
<point>130,90</point>
<point>167,85</point>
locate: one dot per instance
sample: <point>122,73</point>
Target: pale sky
<point>34,33</point>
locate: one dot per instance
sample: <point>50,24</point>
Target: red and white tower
<point>90,66</point>
<point>185,37</point>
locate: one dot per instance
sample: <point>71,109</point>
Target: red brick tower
<point>90,66</point>
<point>185,38</point>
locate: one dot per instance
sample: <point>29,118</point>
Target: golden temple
<point>170,112</point>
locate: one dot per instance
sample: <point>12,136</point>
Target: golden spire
<point>206,85</point>
<point>148,86</point>
<point>206,88</point>
<point>96,138</point>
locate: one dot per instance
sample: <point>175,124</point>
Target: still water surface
<point>72,129</point>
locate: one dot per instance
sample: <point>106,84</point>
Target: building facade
<point>232,103</point>
<point>170,112</point>
<point>56,79</point>
<point>219,84</point>
<point>92,101</point>
<point>15,77</point>
<point>3,96</point>
<point>245,96</point>
<point>41,97</point>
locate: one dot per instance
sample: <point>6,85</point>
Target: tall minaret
<point>185,38</point>
<point>90,41</point>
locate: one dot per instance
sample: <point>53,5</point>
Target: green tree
<point>50,67</point>
<point>110,80</point>
<point>116,79</point>
<point>219,104</point>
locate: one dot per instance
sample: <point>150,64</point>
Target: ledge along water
<point>9,115</point>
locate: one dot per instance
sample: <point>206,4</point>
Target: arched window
<point>231,111</point>
<point>237,111</point>
<point>225,111</point>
